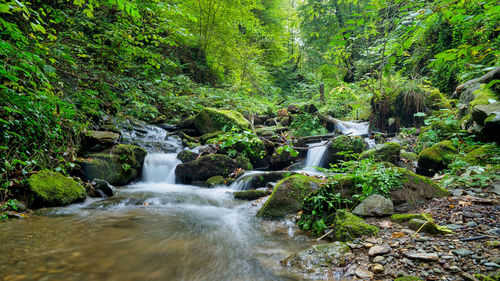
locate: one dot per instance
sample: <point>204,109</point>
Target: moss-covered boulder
<point>318,259</point>
<point>436,158</point>
<point>287,196</point>
<point>436,132</point>
<point>217,180</point>
<point>387,152</point>
<point>342,145</point>
<point>48,189</point>
<point>206,167</point>
<point>421,222</point>
<point>187,156</point>
<point>251,194</point>
<point>347,226</point>
<point>210,120</point>
<point>408,278</point>
<point>482,155</point>
<point>486,120</point>
<point>120,165</point>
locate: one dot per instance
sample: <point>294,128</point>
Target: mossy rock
<point>251,194</point>
<point>119,166</point>
<point>210,120</point>
<point>435,99</point>
<point>482,155</point>
<point>187,156</point>
<point>210,136</point>
<point>288,195</point>
<point>205,167</point>
<point>217,180</point>
<point>244,162</point>
<point>408,278</point>
<point>270,130</point>
<point>411,156</point>
<point>435,132</point>
<point>387,152</point>
<point>428,226</point>
<point>407,217</point>
<point>49,189</point>
<point>436,158</point>
<point>320,258</point>
<point>343,144</point>
<point>347,226</point>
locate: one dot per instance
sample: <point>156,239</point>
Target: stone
<point>436,158</point>
<point>428,226</point>
<point>215,181</point>
<point>348,226</point>
<point>98,140</point>
<point>287,196</point>
<point>463,252</point>
<point>205,167</point>
<point>102,188</point>
<point>251,194</point>
<point>487,119</point>
<point>187,156</point>
<point>50,189</point>
<point>363,274</point>
<point>338,146</point>
<point>421,256</point>
<point>318,258</point>
<point>378,259</point>
<point>378,250</point>
<point>387,152</point>
<point>492,264</point>
<point>374,206</point>
<point>293,108</point>
<point>408,278</point>
<point>210,120</point>
<point>378,268</point>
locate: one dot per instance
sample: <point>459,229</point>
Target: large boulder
<point>486,120</point>
<point>98,140</point>
<point>187,156</point>
<point>374,206</point>
<point>387,152</point>
<point>210,120</point>
<point>482,155</point>
<point>287,196</point>
<point>49,189</point>
<point>338,147</point>
<point>347,226</point>
<point>120,165</point>
<point>206,167</point>
<point>318,259</point>
<point>436,158</point>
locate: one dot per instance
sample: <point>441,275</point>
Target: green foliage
<point>306,124</point>
<point>242,142</point>
<point>288,149</point>
<point>439,127</point>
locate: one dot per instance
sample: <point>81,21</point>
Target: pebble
<point>378,259</point>
<point>454,268</point>
<point>422,256</point>
<point>363,274</point>
<point>378,268</point>
<point>448,257</point>
<point>471,224</point>
<point>378,250</point>
<point>367,245</point>
<point>492,264</point>
<point>453,226</point>
<point>463,252</point>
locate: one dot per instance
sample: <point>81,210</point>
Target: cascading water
<point>151,230</point>
<point>315,155</point>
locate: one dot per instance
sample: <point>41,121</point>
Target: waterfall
<point>159,168</point>
<point>315,154</point>
<point>353,128</point>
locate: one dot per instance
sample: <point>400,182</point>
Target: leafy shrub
<point>241,142</point>
<point>306,124</point>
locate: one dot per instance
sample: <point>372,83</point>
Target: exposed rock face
<point>119,166</point>
<point>387,152</point>
<point>320,258</point>
<point>287,196</point>
<point>210,120</point>
<point>334,152</point>
<point>374,206</point>
<point>206,167</point>
<point>48,189</point>
<point>436,158</point>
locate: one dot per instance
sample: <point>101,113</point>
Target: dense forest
<point>245,94</point>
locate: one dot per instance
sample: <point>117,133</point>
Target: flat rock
<point>463,252</point>
<point>422,256</point>
<point>363,274</point>
<point>378,250</point>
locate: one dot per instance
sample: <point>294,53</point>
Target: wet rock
<point>319,258</point>
<point>378,250</point>
<point>251,194</point>
<point>463,252</point>
<point>187,156</point>
<point>374,206</point>
<point>102,188</point>
<point>288,195</point>
<point>49,189</point>
<point>363,274</point>
<point>421,256</point>
<point>215,181</point>
<point>387,152</point>
<point>205,167</point>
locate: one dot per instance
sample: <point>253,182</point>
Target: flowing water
<point>151,230</point>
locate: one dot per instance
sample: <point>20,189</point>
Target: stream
<point>154,229</point>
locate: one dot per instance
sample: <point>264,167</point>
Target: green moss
<point>482,96</point>
<point>436,157</point>
<point>388,152</point>
<point>53,189</point>
<point>341,145</point>
<point>187,156</point>
<point>287,196</point>
<point>208,138</point>
<point>210,120</point>
<point>482,155</point>
<point>409,156</point>
<point>436,99</point>
<point>348,226</point>
<point>408,217</point>
<point>408,278</point>
<point>412,180</point>
<point>251,194</point>
<point>244,162</point>
<point>216,180</point>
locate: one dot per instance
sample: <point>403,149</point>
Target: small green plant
<point>306,124</point>
<point>287,148</point>
<point>243,142</point>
